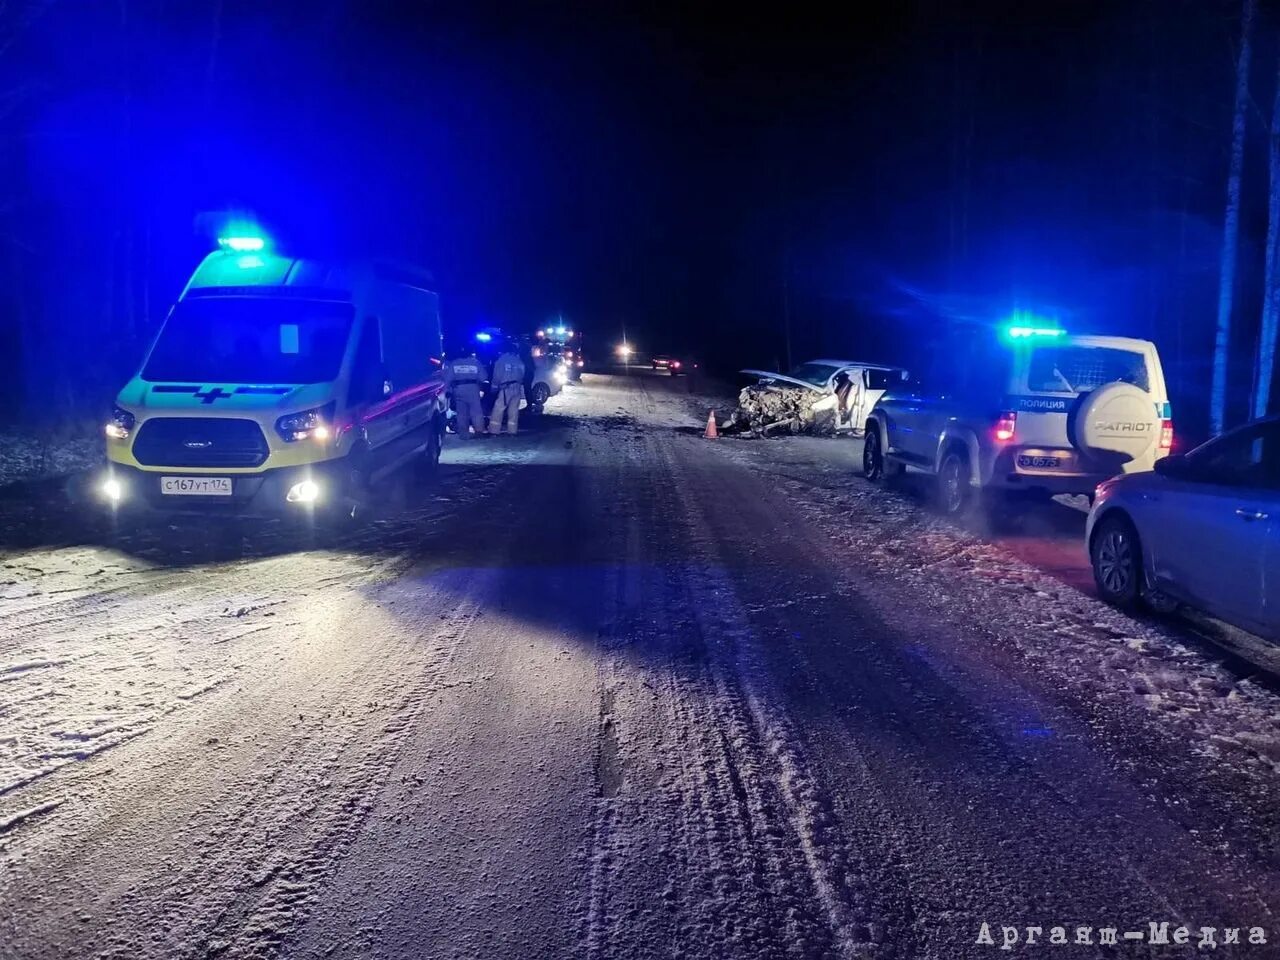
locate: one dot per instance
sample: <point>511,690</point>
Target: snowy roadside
<point>1103,659</point>
<point>30,456</point>
<point>1137,682</point>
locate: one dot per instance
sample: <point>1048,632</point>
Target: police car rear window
<point>1079,369</point>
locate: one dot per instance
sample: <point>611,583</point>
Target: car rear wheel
<point>1116,556</point>
<point>954,491</point>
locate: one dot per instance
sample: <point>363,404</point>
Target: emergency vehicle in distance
<point>280,384</point>
<point>557,341</point>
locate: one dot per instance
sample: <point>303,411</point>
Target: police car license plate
<point>1039,462</point>
<point>196,486</point>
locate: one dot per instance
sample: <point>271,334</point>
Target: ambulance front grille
<point>200,442</point>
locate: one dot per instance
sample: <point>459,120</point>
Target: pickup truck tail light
<point>1166,434</point>
<point>1006,425</point>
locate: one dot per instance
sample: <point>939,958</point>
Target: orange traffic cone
<point>711,433</point>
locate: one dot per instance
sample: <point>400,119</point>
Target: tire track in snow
<point>735,662</point>
<point>740,813</point>
<point>308,806</point>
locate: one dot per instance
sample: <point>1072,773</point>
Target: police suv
<point>1030,410</point>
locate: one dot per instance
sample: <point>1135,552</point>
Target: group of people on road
<point>465,375</point>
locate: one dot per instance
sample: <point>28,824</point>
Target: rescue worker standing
<point>508,388</point>
<point>462,377</point>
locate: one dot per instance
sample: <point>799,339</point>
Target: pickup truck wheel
<point>872,456</point>
<point>954,493</point>
<point>1115,554</point>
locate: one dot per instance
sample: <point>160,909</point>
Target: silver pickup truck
<point>1035,412</point>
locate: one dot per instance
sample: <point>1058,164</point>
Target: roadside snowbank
<point>26,456</point>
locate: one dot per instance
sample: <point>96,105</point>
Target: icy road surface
<point>611,691</point>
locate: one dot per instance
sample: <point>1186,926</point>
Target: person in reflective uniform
<point>508,389</point>
<point>462,378</point>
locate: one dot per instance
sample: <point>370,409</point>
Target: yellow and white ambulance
<point>280,384</point>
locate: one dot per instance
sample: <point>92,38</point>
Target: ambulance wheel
<point>429,462</point>
<point>353,507</point>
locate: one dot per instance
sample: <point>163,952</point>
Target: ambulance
<point>280,384</point>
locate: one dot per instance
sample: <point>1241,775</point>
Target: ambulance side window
<point>367,372</point>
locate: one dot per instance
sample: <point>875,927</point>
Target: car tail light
<point>675,363</point>
<point>1166,434</point>
<point>537,351</point>
<point>1006,425</point>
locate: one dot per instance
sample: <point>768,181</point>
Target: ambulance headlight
<point>306,425</point>
<point>121,424</point>
<point>112,490</point>
<point>305,491</point>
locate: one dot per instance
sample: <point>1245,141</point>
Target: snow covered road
<point>611,690</point>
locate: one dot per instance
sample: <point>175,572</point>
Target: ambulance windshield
<point>251,340</point>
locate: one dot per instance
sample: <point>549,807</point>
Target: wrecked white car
<point>820,396</point>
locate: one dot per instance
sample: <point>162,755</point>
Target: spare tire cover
<point>1116,418</point>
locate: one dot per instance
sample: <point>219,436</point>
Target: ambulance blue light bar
<point>1017,333</point>
<point>242,244</point>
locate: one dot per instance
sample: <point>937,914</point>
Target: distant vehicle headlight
<point>121,424</point>
<point>309,424</point>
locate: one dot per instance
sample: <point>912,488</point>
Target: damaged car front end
<point>820,397</point>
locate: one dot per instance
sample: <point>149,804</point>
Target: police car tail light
<point>1166,434</point>
<point>1006,425</point>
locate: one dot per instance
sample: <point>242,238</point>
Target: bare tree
<point>1231,227</point>
<point>1271,289</point>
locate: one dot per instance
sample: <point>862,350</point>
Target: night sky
<point>695,174</point>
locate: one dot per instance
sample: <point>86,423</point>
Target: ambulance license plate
<point>196,486</point>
